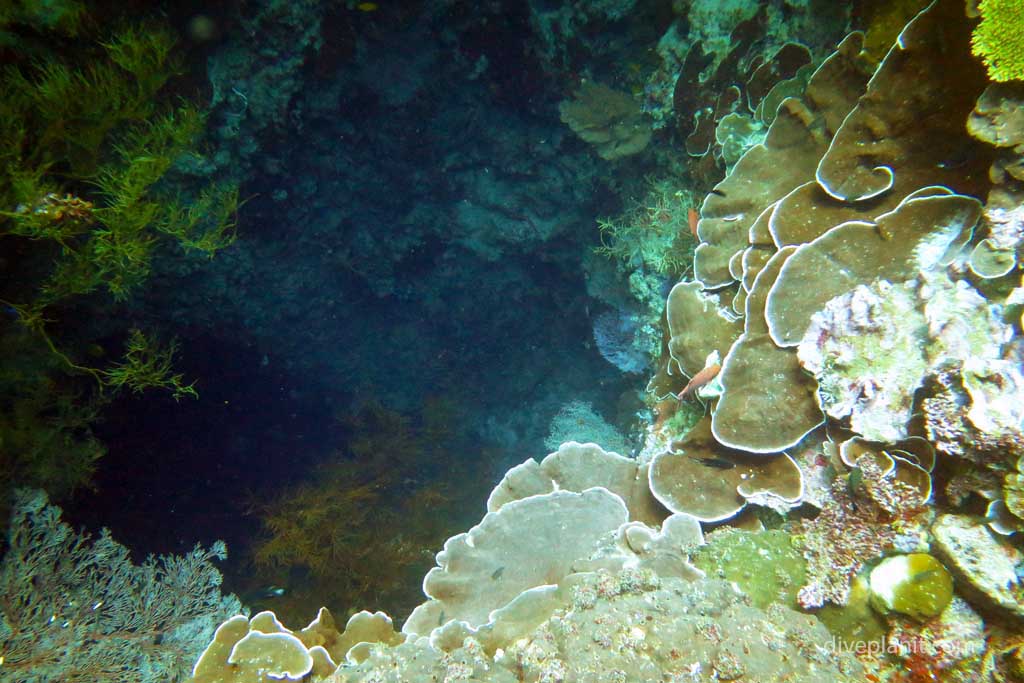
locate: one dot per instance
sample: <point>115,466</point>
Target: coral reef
<point>623,606</point>
<point>578,467</point>
<point>986,568</point>
<point>916,584</point>
<point>702,477</point>
<point>851,529</point>
<point>630,627</point>
<point>766,564</point>
<point>261,647</point>
<point>838,401</point>
<point>851,324</point>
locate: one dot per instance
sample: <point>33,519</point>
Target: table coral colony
<point>858,281</point>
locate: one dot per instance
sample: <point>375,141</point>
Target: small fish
<point>693,218</point>
<point>497,573</point>
<point>853,482</point>
<point>921,576</point>
<point>367,7</point>
<point>266,593</point>
<point>440,618</point>
<point>717,463</point>
<point>698,381</point>
<point>717,192</point>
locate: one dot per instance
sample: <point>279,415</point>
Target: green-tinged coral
<point>736,133</point>
<point>869,367</point>
<point>1013,490</point>
<point>988,260</point>
<point>873,348</point>
<point>884,19</point>
<point>999,39</point>
<point>684,418</point>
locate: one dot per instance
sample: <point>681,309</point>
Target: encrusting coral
<point>903,227</point>
<point>494,615</point>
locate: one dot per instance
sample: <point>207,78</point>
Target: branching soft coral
<point>87,144</point>
<point>654,234</point>
<point>75,608</point>
<point>148,364</point>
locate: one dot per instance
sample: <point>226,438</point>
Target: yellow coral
<point>999,39</point>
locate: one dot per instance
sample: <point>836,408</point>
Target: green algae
<point>769,569</point>
<point>765,565</point>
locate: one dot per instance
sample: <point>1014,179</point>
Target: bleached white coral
<point>872,348</point>
<point>866,350</point>
<point>996,388</point>
<point>1006,227</point>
